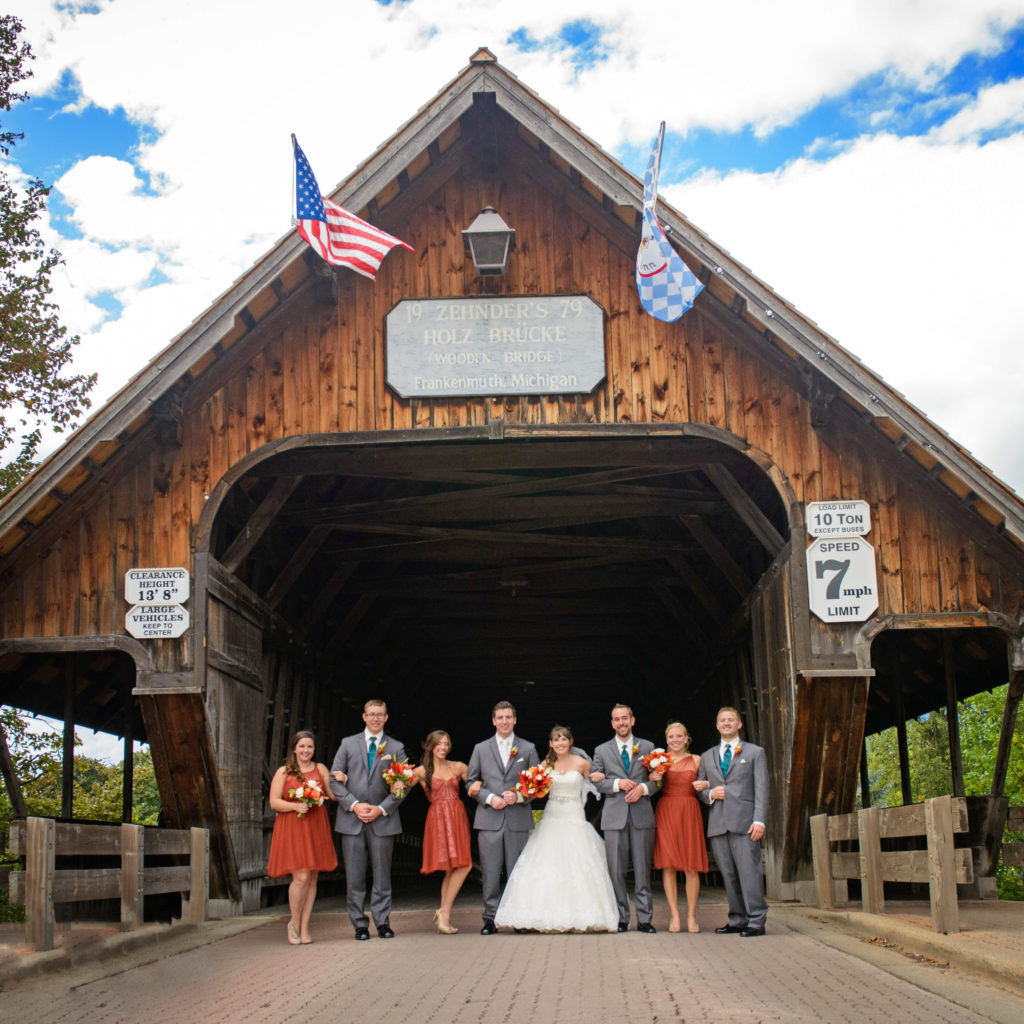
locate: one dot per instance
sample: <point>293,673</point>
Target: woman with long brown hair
<point>446,831</point>
<point>302,845</point>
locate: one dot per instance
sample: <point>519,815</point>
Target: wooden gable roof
<point>831,373</point>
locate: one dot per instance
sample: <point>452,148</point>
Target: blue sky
<point>863,157</point>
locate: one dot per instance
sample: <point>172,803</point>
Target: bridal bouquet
<point>400,773</point>
<point>309,793</point>
<point>658,760</point>
<point>535,782</point>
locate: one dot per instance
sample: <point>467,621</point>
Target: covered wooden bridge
<point>641,539</point>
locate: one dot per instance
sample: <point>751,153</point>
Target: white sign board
<point>156,621</point>
<point>495,345</point>
<point>838,518</point>
<point>842,583</point>
<point>156,586</point>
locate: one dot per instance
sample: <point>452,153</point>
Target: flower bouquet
<point>535,782</point>
<point>658,761</point>
<point>309,793</point>
<point>398,774</point>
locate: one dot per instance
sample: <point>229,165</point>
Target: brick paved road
<point>465,979</point>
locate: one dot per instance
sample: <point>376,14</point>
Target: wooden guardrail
<point>41,885</point>
<point>940,865</point>
<point>1013,853</point>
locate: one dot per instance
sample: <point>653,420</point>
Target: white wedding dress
<point>560,882</point>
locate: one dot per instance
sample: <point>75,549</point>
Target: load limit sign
<point>842,584</point>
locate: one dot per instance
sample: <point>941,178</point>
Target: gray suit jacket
<point>616,813</point>
<point>485,765</point>
<point>366,786</point>
<point>746,789</point>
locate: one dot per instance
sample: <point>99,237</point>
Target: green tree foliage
<point>97,785</point>
<point>981,718</point>
<point>35,349</point>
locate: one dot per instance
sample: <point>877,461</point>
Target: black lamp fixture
<point>489,240</point>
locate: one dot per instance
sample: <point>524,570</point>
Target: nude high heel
<point>444,929</point>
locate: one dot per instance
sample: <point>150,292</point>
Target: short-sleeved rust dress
<point>679,841</point>
<point>301,844</point>
<point>446,831</point>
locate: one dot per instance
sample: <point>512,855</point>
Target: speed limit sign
<point>842,582</point>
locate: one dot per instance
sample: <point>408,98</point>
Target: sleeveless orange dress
<point>679,842</point>
<point>446,832</point>
<point>301,844</point>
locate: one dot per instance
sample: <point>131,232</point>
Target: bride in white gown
<point>560,882</point>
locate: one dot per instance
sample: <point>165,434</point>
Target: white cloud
<point>900,241</point>
<point>907,251</point>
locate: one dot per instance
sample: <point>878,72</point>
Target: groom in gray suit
<point>733,780</point>
<point>503,820</point>
<point>367,818</point>
<point>627,818</point>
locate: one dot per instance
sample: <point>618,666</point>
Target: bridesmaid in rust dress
<point>302,845</point>
<point>679,842</point>
<point>446,832</point>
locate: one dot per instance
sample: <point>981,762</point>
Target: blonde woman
<point>679,841</point>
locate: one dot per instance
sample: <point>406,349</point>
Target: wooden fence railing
<point>41,885</point>
<point>940,865</point>
<point>1013,853</point>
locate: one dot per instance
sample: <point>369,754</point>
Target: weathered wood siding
<point>312,368</point>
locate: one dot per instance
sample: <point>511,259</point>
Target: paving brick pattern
<point>256,978</point>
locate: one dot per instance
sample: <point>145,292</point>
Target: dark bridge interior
<point>564,575</point>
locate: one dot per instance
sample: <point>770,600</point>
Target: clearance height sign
<point>842,582</point>
<point>156,596</point>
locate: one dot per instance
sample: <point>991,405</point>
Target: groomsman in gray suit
<point>503,820</point>
<point>367,818</point>
<point>733,781</point>
<point>627,818</point>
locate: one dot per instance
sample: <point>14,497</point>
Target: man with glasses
<point>367,818</point>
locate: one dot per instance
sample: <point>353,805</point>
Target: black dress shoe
<point>749,933</point>
<point>645,926</point>
<point>623,926</point>
<point>362,934</point>
<point>384,931</point>
<point>727,929</point>
<point>488,928</point>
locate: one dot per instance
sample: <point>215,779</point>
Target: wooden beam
<point>67,764</point>
<point>745,507</point>
<point>718,553</point>
<point>249,536</point>
<point>1014,693</point>
<point>956,758</point>
<point>290,574</point>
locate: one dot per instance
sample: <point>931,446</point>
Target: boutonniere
<point>636,749</point>
<point>513,752</point>
<point>383,746</point>
<point>737,749</point>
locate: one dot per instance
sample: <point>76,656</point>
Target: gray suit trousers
<point>367,849</point>
<point>497,848</point>
<point>622,845</point>
<point>739,860</point>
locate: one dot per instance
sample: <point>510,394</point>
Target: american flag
<point>340,237</point>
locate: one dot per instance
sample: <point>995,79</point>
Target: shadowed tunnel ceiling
<point>562,574</point>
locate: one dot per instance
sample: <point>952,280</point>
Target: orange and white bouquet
<point>658,761</point>
<point>535,782</point>
<point>398,775</point>
<point>309,793</point>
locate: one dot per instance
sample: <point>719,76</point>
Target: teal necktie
<point>371,753</point>
<point>727,759</point>
<point>625,757</point>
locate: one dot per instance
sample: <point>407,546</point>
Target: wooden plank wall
<point>312,368</point>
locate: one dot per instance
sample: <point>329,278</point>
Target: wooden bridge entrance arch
<point>444,570</point>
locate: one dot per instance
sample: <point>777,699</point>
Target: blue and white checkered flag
<point>666,284</point>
